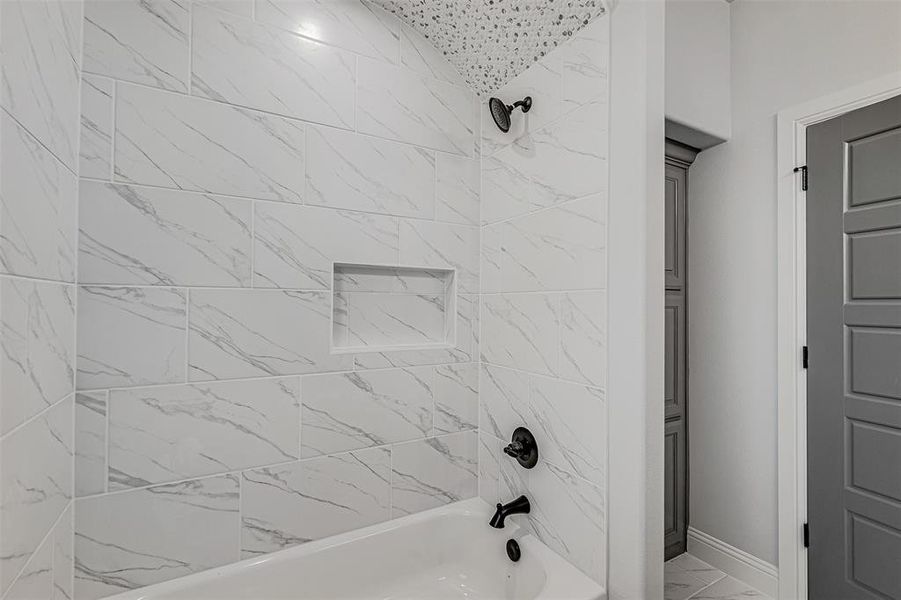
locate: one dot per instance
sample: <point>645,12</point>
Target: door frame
<point>791,219</point>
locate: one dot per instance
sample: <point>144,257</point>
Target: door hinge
<point>805,353</point>
<point>803,171</point>
<point>806,535</point>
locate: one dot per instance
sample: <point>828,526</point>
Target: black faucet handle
<point>514,449</point>
<point>523,448</point>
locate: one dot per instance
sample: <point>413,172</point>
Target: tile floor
<point>686,577</point>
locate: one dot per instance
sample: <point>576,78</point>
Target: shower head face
<point>500,112</point>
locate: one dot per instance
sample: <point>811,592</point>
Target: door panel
<point>675,186</point>
<point>854,338</point>
<point>674,513</point>
<point>674,355</point>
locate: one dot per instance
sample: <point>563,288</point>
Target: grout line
<point>38,546</point>
<point>270,377</point>
<point>237,472</point>
<point>114,116</point>
<point>187,335</point>
<point>286,203</point>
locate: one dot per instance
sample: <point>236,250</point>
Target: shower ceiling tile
<point>491,41</point>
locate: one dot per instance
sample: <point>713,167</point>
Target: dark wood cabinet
<point>678,160</point>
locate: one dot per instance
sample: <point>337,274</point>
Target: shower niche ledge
<point>384,308</point>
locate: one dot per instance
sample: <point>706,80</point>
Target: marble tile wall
<point>230,152</point>
<point>543,302</point>
<point>40,69</point>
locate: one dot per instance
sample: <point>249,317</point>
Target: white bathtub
<point>445,553</point>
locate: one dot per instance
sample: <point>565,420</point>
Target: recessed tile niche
<point>378,308</point>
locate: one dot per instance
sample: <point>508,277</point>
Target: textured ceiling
<point>491,41</point>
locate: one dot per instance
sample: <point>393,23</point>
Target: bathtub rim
<point>563,579</point>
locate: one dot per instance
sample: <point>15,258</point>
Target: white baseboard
<point>745,567</point>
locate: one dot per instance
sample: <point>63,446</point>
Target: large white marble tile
<point>361,27</point>
<point>174,141</point>
<point>35,485</point>
<point>144,41</point>
<point>561,248</point>
<point>35,582</point>
<point>696,567</point>
<point>501,478</point>
<point>48,574</point>
<point>37,208</point>
<point>171,433</point>
<point>569,421</point>
<point>504,401</point>
<point>348,411</point>
<point>247,333</point>
<point>521,331</point>
<point>569,515</point>
<point>585,59</point>
<point>389,319</point>
<point>37,334</point>
<point>140,235</point>
<point>295,246</point>
<point>491,258</point>
<point>566,159</point>
<point>506,190</point>
<point>40,64</point>
<point>312,499</point>
<point>63,556</point>
<point>237,61</point>
<point>420,55</point>
<point>398,104</point>
<point>434,471</point>
<point>90,443</point>
<point>543,82</point>
<point>465,350</point>
<point>237,7</point>
<point>356,172</point>
<point>363,278</point>
<point>136,538</point>
<point>459,189</point>
<point>679,584</point>
<point>130,336</point>
<point>430,244</point>
<point>583,337</point>
<point>96,150</point>
<point>729,588</point>
<point>456,398</point>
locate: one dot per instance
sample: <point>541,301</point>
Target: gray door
<point>854,336</point>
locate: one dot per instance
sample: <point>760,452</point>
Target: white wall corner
<point>745,567</point>
<point>635,280</point>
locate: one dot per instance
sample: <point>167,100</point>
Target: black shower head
<point>500,112</point>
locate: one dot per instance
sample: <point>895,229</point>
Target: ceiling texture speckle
<point>491,41</point>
